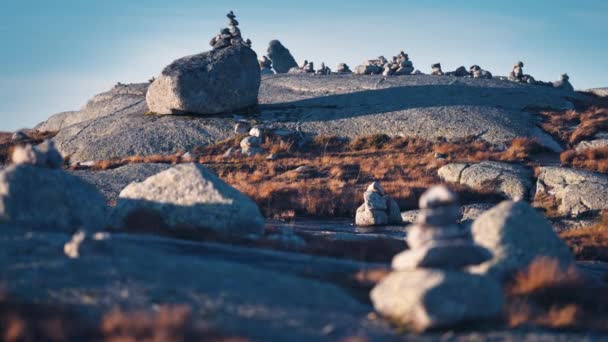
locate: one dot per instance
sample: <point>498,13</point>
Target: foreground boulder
<point>429,289</point>
<point>516,234</point>
<point>513,181</point>
<point>217,81</point>
<point>428,299</point>
<point>190,196</point>
<point>37,194</point>
<point>578,192</point>
<point>281,58</point>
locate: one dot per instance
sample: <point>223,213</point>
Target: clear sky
<point>56,54</point>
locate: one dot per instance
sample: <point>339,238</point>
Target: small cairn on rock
<point>517,74</point>
<point>401,65</point>
<point>436,69</point>
<point>564,83</point>
<point>431,273</point>
<point>343,69</point>
<point>229,36</point>
<point>306,68</point>
<point>324,70</point>
<point>437,240</point>
<point>250,146</point>
<point>478,72</point>
<point>378,209</point>
<point>460,72</point>
<point>266,66</point>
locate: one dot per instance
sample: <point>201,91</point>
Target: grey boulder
<point>49,199</point>
<point>212,82</point>
<point>442,256</point>
<point>577,191</point>
<point>189,195</point>
<point>430,299</point>
<point>513,181</point>
<point>516,234</point>
<point>282,60</point>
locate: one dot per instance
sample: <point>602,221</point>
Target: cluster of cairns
<point>378,208</point>
<point>517,75</point>
<point>400,65</point>
<point>429,286</point>
<point>229,36</point>
<point>474,71</point>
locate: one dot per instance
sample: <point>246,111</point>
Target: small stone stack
<point>378,209</point>
<point>459,72</point>
<point>403,65</point>
<point>266,66</point>
<point>251,146</point>
<point>343,69</point>
<point>428,288</point>
<point>436,69</point>
<point>324,70</point>
<point>517,74</point>
<point>564,83</point>
<point>230,36</point>
<point>372,66</point>
<point>478,72</point>
<point>437,240</point>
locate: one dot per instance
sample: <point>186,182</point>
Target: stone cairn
<point>401,65</point>
<point>306,68</point>
<point>378,209</point>
<point>564,83</point>
<point>431,273</point>
<point>517,74</point>
<point>478,72</point>
<point>266,66</point>
<point>343,69</point>
<point>372,66</point>
<point>436,69</point>
<point>229,36</point>
<point>437,240</point>
<point>324,70</point>
<point>44,155</point>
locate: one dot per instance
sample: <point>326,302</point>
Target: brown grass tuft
<point>573,126</point>
<point>589,243</point>
<point>592,159</point>
<point>543,273</point>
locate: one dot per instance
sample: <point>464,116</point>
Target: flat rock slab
<point>230,289</point>
<point>512,180</point>
<point>345,105</point>
<point>579,192</point>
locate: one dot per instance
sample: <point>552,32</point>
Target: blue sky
<point>56,54</point>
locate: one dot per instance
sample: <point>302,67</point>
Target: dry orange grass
<point>592,159</point>
<point>339,170</point>
<point>589,243</point>
<point>25,322</point>
<point>548,294</point>
<point>573,126</point>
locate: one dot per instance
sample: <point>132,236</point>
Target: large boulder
<point>430,299</point>
<point>189,195</point>
<point>512,180</point>
<point>212,82</point>
<point>281,58</point>
<point>516,234</point>
<point>49,199</point>
<point>577,191</point>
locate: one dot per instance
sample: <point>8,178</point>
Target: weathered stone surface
<point>511,180</point>
<point>577,191</point>
<point>41,198</point>
<point>260,295</point>
<point>369,217</point>
<point>281,58</point>
<point>190,195</point>
<point>116,100</point>
<point>343,105</point>
<point>468,212</point>
<point>427,299</point>
<point>602,92</point>
<point>212,82</point>
<point>516,234</point>
<point>111,182</point>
